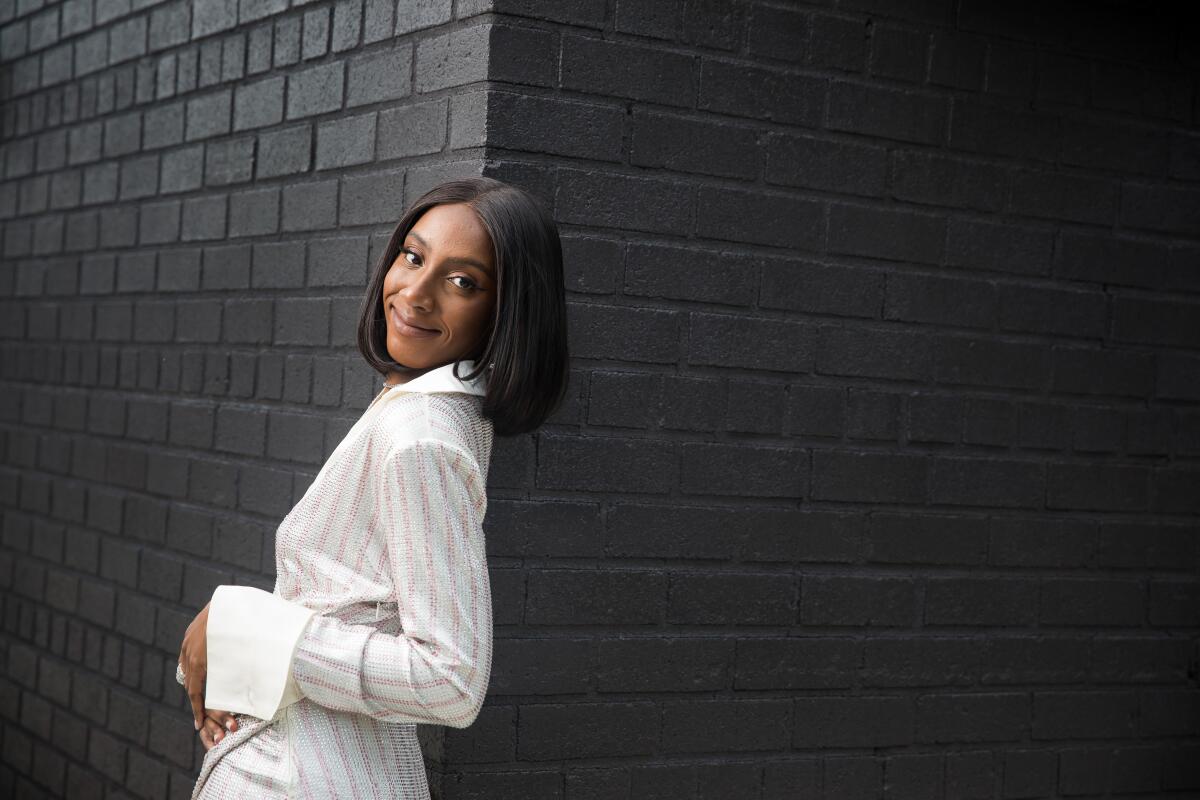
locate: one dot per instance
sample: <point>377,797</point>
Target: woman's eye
<point>470,284</point>
<point>406,253</point>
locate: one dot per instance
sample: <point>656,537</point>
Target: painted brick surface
<point>877,477</point>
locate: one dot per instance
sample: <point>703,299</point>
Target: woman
<point>381,615</point>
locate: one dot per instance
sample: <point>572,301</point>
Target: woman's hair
<point>527,343</point>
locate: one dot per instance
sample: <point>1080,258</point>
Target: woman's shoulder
<point>454,418</point>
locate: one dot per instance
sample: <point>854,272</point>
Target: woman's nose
<point>418,289</point>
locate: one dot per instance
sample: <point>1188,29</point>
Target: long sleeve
<point>430,508</point>
<point>251,637</point>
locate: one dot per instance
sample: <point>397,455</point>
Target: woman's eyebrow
<point>468,261</point>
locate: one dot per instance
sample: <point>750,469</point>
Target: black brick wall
<point>878,477</point>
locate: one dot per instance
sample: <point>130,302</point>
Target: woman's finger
<point>214,730</point>
<point>206,739</point>
<point>224,719</point>
<point>195,691</point>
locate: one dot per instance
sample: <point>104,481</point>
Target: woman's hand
<point>193,658</point>
<point>215,725</point>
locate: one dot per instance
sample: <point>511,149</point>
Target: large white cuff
<point>252,637</point>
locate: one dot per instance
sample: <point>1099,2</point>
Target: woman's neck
<point>395,378</point>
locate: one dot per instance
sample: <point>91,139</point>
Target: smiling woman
<point>440,292</point>
<point>381,616</point>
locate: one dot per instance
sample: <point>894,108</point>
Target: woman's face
<point>443,281</point>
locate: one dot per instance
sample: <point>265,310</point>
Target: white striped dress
<point>381,616</point>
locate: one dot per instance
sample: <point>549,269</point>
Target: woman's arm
<point>430,506</point>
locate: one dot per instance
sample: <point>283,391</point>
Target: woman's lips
<point>405,329</point>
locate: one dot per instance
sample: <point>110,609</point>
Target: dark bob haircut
<point>527,343</point>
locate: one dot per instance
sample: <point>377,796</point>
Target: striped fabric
<point>381,616</point>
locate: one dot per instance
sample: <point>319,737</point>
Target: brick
<point>254,213</point>
<point>107,755</point>
<point>347,25</point>
<point>1016,659</point>
<point>991,602</point>
<point>975,245</point>
<point>285,151</point>
<point>644,335</point>
<point>686,274</point>
<point>728,340</point>
<point>302,321</point>
<point>315,37</point>
<point>258,104</point>
<point>241,430</point>
<point>755,407</point>
<point>857,601</point>
<point>679,144</point>
<point>896,538</point>
<point>667,665</point>
<point>277,265</point>
<point>1041,193</point>
<point>757,217</point>
<point>1092,602</point>
<point>562,465</point>
<point>208,115</point>
<point>556,597</point>
<point>345,141</point>
<point>612,68</point>
<point>567,128</point>
<point>374,197</point>
<point>982,127</point>
<point>380,77</point>
<point>622,399</point>
<point>872,416</point>
<point>449,60</point>
<point>1146,321</point>
<point>843,722</point>
<point>869,477</point>
<point>972,360</point>
<point>814,163</point>
<point>888,113</point>
<point>337,262</point>
<point>229,161</point>
<point>964,303</point>
<point>693,726</point>
<point>182,169</point>
<point>743,599</point>
<point>819,288</point>
<point>315,90</point>
<point>424,125</point>
<point>1047,543</point>
<point>988,482</point>
<point>549,729</point>
<point>797,664</point>
<point>874,353</point>
<point>900,54</point>
<point>295,437</point>
<point>1160,208</point>
<point>974,717</point>
<point>1097,486</point>
<point>622,201</point>
<point>1083,714</point>
<point>310,206</point>
<point>927,661</point>
<point>1172,602</point>
<point>653,531</point>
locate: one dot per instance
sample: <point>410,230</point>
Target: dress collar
<point>442,379</point>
